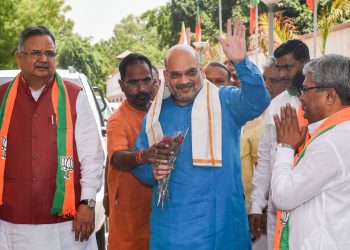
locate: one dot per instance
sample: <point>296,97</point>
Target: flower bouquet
<point>175,143</point>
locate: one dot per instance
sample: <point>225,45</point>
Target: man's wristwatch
<point>89,202</point>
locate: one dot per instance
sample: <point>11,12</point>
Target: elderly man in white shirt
<point>316,189</point>
<point>290,58</point>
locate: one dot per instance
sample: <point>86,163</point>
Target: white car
<point>105,106</point>
<point>82,81</point>
<point>115,105</point>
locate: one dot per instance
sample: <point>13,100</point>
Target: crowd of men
<point>263,164</point>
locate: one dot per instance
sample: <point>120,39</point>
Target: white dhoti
<point>261,243</point>
<point>57,236</point>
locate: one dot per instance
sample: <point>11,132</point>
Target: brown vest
<point>31,164</point>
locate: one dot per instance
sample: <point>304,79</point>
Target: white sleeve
<point>89,149</point>
<point>317,170</point>
<point>262,172</point>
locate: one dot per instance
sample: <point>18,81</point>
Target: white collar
<point>314,126</point>
<point>36,93</point>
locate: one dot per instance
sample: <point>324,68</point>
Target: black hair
<point>298,80</point>
<point>221,65</point>
<point>132,59</point>
<point>298,48</point>
<point>34,31</point>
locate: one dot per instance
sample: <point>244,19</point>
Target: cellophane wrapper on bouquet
<point>175,142</point>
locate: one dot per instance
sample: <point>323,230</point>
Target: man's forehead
<point>217,70</point>
<point>181,69</point>
<point>138,69</point>
<point>308,79</point>
<point>39,40</point>
<point>286,60</point>
<point>270,71</point>
<point>180,58</point>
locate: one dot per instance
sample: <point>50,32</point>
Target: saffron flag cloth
<point>64,199</point>
<point>252,19</point>
<point>183,36</point>
<point>206,125</point>
<point>252,22</point>
<point>281,240</point>
<point>198,31</point>
<point>311,4</point>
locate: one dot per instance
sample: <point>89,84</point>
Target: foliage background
<point>151,33</point>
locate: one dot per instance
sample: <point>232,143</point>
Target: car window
<point>5,79</point>
<point>107,112</point>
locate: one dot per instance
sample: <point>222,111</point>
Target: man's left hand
<point>234,46</point>
<point>287,128</point>
<point>84,222</point>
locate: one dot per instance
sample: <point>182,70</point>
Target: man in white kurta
<point>316,189</point>
<point>290,57</point>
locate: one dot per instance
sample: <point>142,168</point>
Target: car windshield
<point>107,112</point>
<point>5,79</point>
<point>75,81</point>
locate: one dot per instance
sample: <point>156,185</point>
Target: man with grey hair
<point>273,83</point>
<point>250,139</point>
<point>217,73</point>
<point>314,188</point>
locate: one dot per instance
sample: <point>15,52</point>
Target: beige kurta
<point>250,139</point>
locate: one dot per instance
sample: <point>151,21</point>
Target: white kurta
<point>91,157</point>
<point>316,191</point>
<point>266,160</point>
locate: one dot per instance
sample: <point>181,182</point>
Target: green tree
<point>8,33</point>
<point>167,19</point>
<point>73,50</point>
<point>298,12</point>
<point>332,13</point>
<point>133,34</point>
<point>284,29</point>
<point>15,15</point>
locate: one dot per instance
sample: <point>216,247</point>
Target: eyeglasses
<point>175,75</point>
<point>303,88</point>
<point>146,82</point>
<point>38,53</point>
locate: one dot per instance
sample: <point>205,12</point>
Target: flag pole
<point>220,17</point>
<point>256,35</point>
<point>220,32</point>
<point>315,30</point>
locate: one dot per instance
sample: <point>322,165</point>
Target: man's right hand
<point>256,225</point>
<point>157,153</point>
